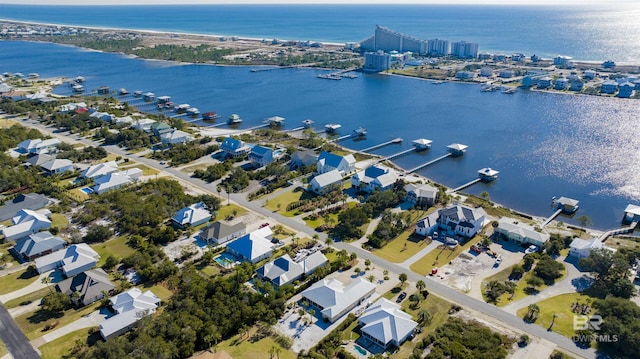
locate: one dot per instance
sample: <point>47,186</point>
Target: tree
<point>517,271</point>
<point>535,282</point>
<point>523,340</point>
<point>584,221</point>
<point>46,281</point>
<point>610,272</point>
<point>371,278</point>
<point>421,285</point>
<point>485,196</point>
<point>403,278</point>
<point>548,269</point>
<point>532,312</point>
<point>56,302</point>
<point>98,233</point>
<point>110,262</point>
<point>424,317</point>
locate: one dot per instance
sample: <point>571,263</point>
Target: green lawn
<point>314,223</point>
<point>4,250</point>
<point>60,347</point>
<point>31,297</point>
<point>17,280</point>
<point>560,306</point>
<point>116,247</point>
<point>227,210</point>
<point>402,247</point>
<point>59,221</point>
<point>33,323</point>
<point>240,346</point>
<point>3,349</point>
<point>441,256</point>
<point>160,291</point>
<point>146,171</point>
<point>77,195</point>
<point>285,198</point>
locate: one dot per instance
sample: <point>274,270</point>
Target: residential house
<point>326,182</point>
<point>334,299</point>
<point>192,215</point>
<point>115,180</point>
<point>545,82</point>
<point>143,124</point>
<point>37,145</point>
<point>39,159</point>
<point>30,201</point>
<point>522,233</point>
<point>220,232</point>
<point>626,89</point>
<point>104,116</point>
<point>55,166</point>
<point>421,194</point>
<point>130,307</point>
<point>175,137</point>
<point>37,245</point>
<point>285,270</point>
<point>454,220</point>
<point>100,169</point>
<point>26,222</point>
<point>385,324</point>
<point>261,156</point>
<point>581,248</point>
<point>160,128</point>
<point>86,287</point>
<point>589,74</point>
<point>465,75</point>
<point>72,107</point>
<point>303,159</point>
<point>561,83</point>
<point>609,87</point>
<point>74,259</point>
<point>251,247</point>
<point>375,177</point>
<point>234,147</point>
<point>576,85</point>
<point>507,73</point>
<point>328,161</point>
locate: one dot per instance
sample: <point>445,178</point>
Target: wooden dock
<point>468,184</point>
<point>341,138</point>
<point>552,217</point>
<point>395,140</point>
<point>395,155</point>
<point>429,163</point>
<point>254,128</point>
<point>294,129</point>
<point>613,232</point>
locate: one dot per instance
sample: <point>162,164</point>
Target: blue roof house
<point>261,156</point>
<point>328,161</point>
<point>234,147</point>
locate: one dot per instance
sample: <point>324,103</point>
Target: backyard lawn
<point>227,210</point>
<point>4,250</point>
<point>160,291</point>
<point>77,195</point>
<point>59,221</point>
<point>280,202</point>
<point>402,247</point>
<point>17,280</point>
<point>560,306</point>
<point>241,346</point>
<point>116,247</point>
<point>60,347</point>
<point>28,298</point>
<point>33,323</point>
<point>440,256</point>
<point>146,171</point>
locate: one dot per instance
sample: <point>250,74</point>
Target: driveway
<point>55,277</point>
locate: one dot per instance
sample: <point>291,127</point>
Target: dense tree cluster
<point>548,269</point>
<point>620,321</point>
<point>390,226</point>
<point>130,138</point>
<point>74,122</point>
<point>214,172</point>
<point>237,180</point>
<point>11,136</point>
<point>89,153</point>
<point>184,153</point>
<point>610,271</point>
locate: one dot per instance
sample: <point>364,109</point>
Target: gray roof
<point>251,246</point>
<point>40,159</point>
<point>89,284</point>
<point>56,164</point>
<point>422,190</point>
<point>305,158</point>
<point>386,322</point>
<point>334,297</point>
<point>327,178</point>
<point>285,270</point>
<point>38,243</point>
<point>32,201</point>
<point>522,229</point>
<point>462,213</point>
<point>221,230</point>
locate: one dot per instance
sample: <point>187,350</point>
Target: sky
<point>240,2</point>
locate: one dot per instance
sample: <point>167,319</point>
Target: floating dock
<point>395,140</point>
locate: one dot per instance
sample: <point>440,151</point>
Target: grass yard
<point>227,210</point>
<point>402,247</point>
<point>5,123</point>
<point>77,195</point>
<point>146,171</point>
<point>160,291</point>
<point>210,270</point>
<point>441,255</point>
<point>28,298</point>
<point>62,346</point>
<point>59,221</point>
<point>4,251</point>
<point>240,346</point>
<point>284,199</point>
<point>3,349</point>
<point>437,308</point>
<point>560,306</point>
<point>628,243</point>
<point>17,280</point>
<point>116,247</point>
<point>33,323</point>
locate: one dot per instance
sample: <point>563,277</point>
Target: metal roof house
<point>421,194</point>
<point>326,182</point>
<point>100,169</point>
<point>175,137</point>
<point>261,156</point>
<point>328,161</point>
<point>26,222</point>
<point>74,259</point>
<point>115,180</point>
<point>520,232</point>
<point>37,145</point>
<point>285,270</point>
<point>55,166</point>
<point>334,299</point>
<point>581,248</point>
<point>37,245</point>
<point>252,247</point>
<point>386,324</point>
<point>30,201</point>
<point>220,232</point>
<point>90,286</point>
<point>303,158</point>
<point>192,215</point>
<point>130,307</point>
<point>374,177</point>
<point>454,220</point>
<point>234,147</point>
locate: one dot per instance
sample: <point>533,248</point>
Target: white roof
<point>192,214</point>
<point>335,297</point>
<point>26,222</point>
<point>488,171</point>
<point>422,190</point>
<point>632,209</point>
<point>522,229</point>
<point>422,142</point>
<point>100,169</point>
<point>175,136</point>
<point>126,119</point>
<point>131,306</point>
<point>110,181</point>
<point>457,147</point>
<point>56,164</point>
<point>284,270</point>
<point>328,178</point>
<point>70,258</point>
<point>251,246</point>
<point>25,215</point>
<point>386,322</point>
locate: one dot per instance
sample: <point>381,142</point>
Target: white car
<point>532,248</point>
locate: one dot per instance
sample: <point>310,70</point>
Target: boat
<point>210,116</point>
<point>360,131</point>
<point>332,127</point>
<point>123,92</point>
<point>193,112</point>
<point>77,88</point>
<point>137,93</point>
<point>79,79</point>
<point>233,118</point>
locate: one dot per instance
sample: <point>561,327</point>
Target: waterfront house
<point>631,213</point>
<point>160,128</point>
<point>220,232</point>
<point>568,205</point>
<point>100,169</point>
<point>507,73</point>
<point>486,72</point>
<point>563,62</point>
<point>37,245</point>
<point>261,156</point>
<point>454,220</point>
<point>56,166</point>
<point>544,82</point>
<point>251,247</point>
<point>519,232</point>
<point>37,145</point>
<point>328,161</point>
<point>326,182</point>
<point>374,177</point>
<point>129,307</point>
<point>126,120</point>
<point>581,248</point>
<point>191,216</point>
<point>175,137</point>
<point>626,90</point>
<point>143,124</point>
<point>576,85</point>
<point>589,74</point>
<point>303,159</point>
<point>385,324</point>
<point>284,270</point>
<point>103,116</point>
<point>86,287</point>
<point>29,201</point>
<point>334,299</point>
<point>609,87</point>
<point>115,180</point>
<point>421,194</point>
<point>234,147</point>
<point>465,75</point>
<point>74,259</point>
<point>72,107</point>
<point>561,83</point>
<point>26,222</point>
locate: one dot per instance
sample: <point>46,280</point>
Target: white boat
<point>332,127</point>
<point>234,118</point>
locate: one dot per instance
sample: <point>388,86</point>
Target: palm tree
<point>46,281</point>
<point>371,278</point>
<point>424,316</point>
<point>533,310</point>
<point>420,285</point>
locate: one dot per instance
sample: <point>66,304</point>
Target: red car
<point>264,225</point>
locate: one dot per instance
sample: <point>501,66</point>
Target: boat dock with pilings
<point>453,150</point>
<point>395,140</point>
<point>485,175</point>
<point>562,205</point>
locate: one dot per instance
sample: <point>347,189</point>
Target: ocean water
<point>543,144</point>
<point>592,33</point>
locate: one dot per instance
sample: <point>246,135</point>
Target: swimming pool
<point>87,190</point>
<point>225,260</point>
<point>360,350</point>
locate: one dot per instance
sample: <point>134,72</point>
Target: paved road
<point>17,343</point>
<point>433,286</point>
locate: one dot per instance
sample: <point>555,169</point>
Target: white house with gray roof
<point>252,247</point>
<point>421,194</point>
<point>325,182</point>
<point>38,145</point>
<point>90,286</point>
<point>517,231</point>
<point>385,324</point>
<point>285,270</point>
<point>192,215</point>
<point>100,169</point>
<point>454,220</point>
<point>37,245</point>
<point>374,177</point>
<point>115,180</point>
<point>334,299</point>
<point>220,232</point>
<point>26,222</point>
<point>130,307</point>
<point>55,166</point>
<point>74,259</point>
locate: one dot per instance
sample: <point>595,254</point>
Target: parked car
<point>401,297</point>
<point>532,248</point>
